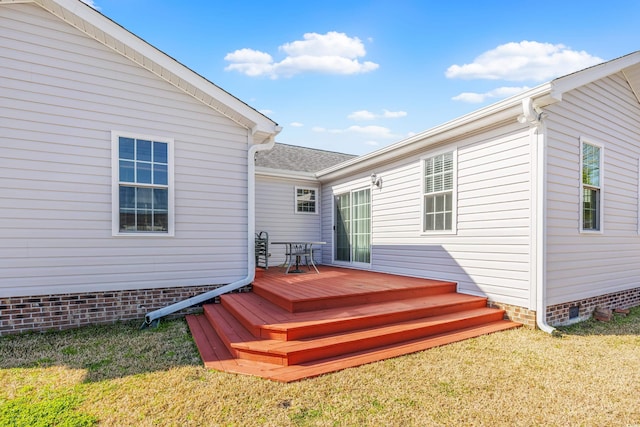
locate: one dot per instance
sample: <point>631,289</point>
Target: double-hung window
<point>438,193</point>
<point>591,186</point>
<point>143,185</point>
<point>306,200</point>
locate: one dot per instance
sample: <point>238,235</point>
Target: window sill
<point>439,233</point>
<point>592,232</point>
<point>143,234</point>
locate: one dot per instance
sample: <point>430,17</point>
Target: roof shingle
<point>302,159</point>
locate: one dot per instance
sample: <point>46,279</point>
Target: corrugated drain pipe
<point>153,318</point>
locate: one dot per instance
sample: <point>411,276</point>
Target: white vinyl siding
<point>276,214</point>
<point>583,265</point>
<point>489,255</point>
<point>62,94</point>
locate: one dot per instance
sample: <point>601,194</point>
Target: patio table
<point>297,249</point>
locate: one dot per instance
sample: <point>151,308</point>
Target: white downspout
<point>153,317</point>
<point>534,116</point>
<point>251,202</point>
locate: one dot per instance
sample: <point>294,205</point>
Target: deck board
<point>306,292</point>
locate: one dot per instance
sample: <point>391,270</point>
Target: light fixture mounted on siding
<point>376,180</point>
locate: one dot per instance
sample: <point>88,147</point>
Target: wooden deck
<point>302,325</point>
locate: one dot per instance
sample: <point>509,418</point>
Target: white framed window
<point>306,200</point>
<point>142,185</point>
<point>438,193</point>
<point>591,185</point>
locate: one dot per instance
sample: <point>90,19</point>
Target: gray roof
<point>302,159</point>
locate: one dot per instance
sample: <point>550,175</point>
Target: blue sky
<point>355,76</point>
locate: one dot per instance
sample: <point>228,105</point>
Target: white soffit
<point>633,77</point>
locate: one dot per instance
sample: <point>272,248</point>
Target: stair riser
<point>262,357</point>
<point>345,301</point>
<point>370,321</point>
<point>381,341</point>
<point>329,350</point>
<point>255,330</point>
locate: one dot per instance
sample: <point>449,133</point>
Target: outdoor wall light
<point>376,180</point>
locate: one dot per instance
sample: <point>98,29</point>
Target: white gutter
<point>534,116</point>
<point>287,174</point>
<point>152,318</point>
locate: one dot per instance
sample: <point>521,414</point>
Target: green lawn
<point>120,376</point>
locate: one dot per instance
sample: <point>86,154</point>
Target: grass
<point>120,376</point>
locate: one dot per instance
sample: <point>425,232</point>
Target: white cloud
<point>527,60</point>
<point>330,44</point>
<point>266,112</point>
<point>363,115</point>
<point>393,114</point>
<point>296,125</point>
<point>371,131</point>
<point>501,92</point>
<point>91,3</point>
<point>330,53</point>
<point>250,62</point>
<point>375,131</point>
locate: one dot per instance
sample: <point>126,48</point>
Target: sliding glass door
<point>353,227</point>
<point>343,228</point>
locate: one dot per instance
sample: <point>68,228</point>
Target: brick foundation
<point>517,314</point>
<point>558,315</point>
<point>64,311</point>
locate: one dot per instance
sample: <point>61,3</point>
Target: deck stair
<point>294,327</point>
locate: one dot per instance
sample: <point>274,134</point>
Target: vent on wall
<point>574,312</point>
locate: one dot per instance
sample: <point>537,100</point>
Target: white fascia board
<point>485,117</point>
<point>564,84</point>
<point>88,20</point>
<point>287,174</point>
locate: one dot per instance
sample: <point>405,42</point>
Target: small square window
<point>306,200</point>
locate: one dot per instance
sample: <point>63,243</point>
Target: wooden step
<point>266,320</point>
<point>312,369</point>
<point>358,358</point>
<point>210,346</point>
<point>299,326</point>
<point>308,295</point>
<point>245,346</point>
